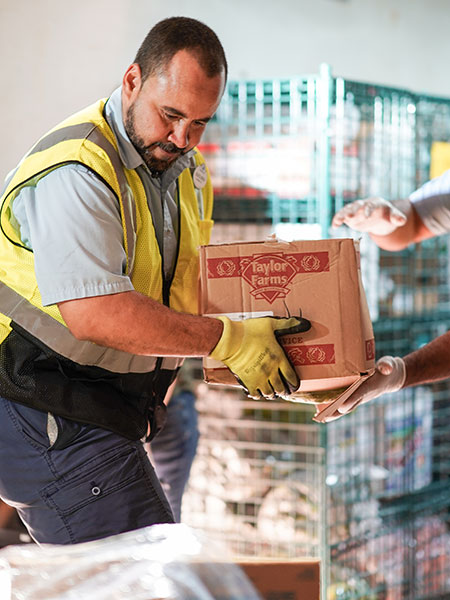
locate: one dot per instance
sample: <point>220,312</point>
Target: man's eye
<point>171,117</point>
<point>200,123</point>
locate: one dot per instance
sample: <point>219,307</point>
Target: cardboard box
<point>284,580</point>
<point>320,280</point>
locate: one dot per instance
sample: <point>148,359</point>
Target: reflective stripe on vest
<point>89,131</point>
<point>59,339</point>
<point>50,331</point>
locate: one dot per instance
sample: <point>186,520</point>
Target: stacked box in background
<point>377,483</point>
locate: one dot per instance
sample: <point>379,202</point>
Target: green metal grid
<point>293,152</point>
<point>258,480</point>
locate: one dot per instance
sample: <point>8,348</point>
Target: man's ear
<point>131,83</point>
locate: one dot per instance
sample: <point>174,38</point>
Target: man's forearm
<point>429,363</point>
<point>133,323</point>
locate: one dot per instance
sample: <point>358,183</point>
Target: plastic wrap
<point>170,562</point>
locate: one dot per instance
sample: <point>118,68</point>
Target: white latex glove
<point>389,376</point>
<point>374,215</point>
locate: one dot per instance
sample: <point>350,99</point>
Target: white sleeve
<point>432,202</point>
<point>71,220</point>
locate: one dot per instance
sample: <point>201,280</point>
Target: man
<point>100,225</point>
<point>393,226</point>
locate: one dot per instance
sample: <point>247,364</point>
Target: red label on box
<point>269,274</point>
<point>318,354</point>
<point>370,349</point>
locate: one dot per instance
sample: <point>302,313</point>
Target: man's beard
<point>156,165</point>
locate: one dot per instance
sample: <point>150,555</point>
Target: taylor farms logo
<point>270,274</point>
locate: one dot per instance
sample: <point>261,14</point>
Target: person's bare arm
<point>131,322</point>
<point>429,363</point>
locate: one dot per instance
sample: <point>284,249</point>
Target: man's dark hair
<point>170,36</point>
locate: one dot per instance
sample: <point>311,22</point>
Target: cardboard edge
<point>333,406</point>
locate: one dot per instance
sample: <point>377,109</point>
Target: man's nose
<point>180,134</point>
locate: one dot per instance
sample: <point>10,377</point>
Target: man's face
<point>166,116</point>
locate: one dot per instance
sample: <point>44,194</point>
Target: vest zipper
<point>167,282</point>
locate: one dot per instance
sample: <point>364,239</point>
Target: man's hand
<point>389,376</point>
<point>373,215</point>
<point>252,352</point>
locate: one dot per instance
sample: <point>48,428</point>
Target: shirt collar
<point>127,152</point>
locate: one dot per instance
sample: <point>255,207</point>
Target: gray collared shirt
<point>71,221</point>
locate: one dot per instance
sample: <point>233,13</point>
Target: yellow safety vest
<point>135,384</point>
<point>87,138</point>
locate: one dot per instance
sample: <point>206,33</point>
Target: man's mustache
<point>169,147</point>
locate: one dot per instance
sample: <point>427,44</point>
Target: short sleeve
<point>71,221</point>
<point>432,203</point>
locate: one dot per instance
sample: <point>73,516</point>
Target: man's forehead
<point>185,98</point>
<point>184,69</point>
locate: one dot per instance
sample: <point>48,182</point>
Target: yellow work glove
<point>253,353</point>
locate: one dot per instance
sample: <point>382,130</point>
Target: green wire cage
<point>370,493</point>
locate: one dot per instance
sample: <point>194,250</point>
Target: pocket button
<point>95,490</point>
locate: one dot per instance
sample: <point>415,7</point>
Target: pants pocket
<point>62,432</point>
<point>112,493</point>
<point>30,423</point>
<point>43,430</point>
